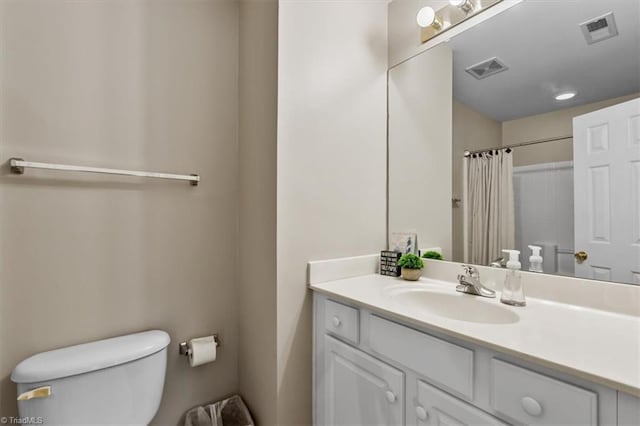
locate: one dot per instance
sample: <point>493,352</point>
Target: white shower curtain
<point>491,206</point>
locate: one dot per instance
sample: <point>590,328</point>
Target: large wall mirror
<point>524,130</point>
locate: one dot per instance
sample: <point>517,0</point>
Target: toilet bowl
<point>117,381</point>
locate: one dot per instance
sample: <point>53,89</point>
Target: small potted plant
<point>411,266</point>
<point>432,255</point>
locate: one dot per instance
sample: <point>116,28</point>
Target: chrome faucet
<point>470,283</point>
<point>500,262</point>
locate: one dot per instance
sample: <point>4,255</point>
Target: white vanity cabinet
<point>628,410</point>
<point>531,398</point>
<point>434,407</point>
<point>359,389</point>
<point>373,370</point>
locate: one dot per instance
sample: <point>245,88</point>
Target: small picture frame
<point>389,263</point>
<point>404,242</point>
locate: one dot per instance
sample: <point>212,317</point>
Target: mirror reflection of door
<point>606,146</point>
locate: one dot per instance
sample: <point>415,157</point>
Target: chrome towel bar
<point>18,165</point>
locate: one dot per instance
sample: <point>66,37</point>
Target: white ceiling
<point>543,46</point>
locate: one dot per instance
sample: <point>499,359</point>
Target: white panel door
<point>607,192</point>
<point>360,390</point>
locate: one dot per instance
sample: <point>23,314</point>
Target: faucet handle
<point>470,270</point>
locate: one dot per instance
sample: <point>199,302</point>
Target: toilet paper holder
<point>183,347</point>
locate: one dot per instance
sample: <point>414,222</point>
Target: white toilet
<point>116,381</point>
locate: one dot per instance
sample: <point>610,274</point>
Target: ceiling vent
<point>600,28</point>
<point>487,68</point>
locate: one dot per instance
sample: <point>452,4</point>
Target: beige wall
<point>404,32</point>
<point>331,163</point>
<point>128,84</point>
<point>188,86</point>
<point>471,131</point>
<point>549,125</point>
<point>257,255</point>
<point>420,114</point>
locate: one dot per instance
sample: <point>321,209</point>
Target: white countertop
<point>596,345</point>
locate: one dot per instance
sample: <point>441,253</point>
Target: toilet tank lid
<point>87,357</point>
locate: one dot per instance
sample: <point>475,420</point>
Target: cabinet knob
<point>421,413</point>
<point>391,397</point>
<point>336,322</point>
<point>531,406</point>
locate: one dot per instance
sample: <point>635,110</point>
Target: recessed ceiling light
<point>565,96</point>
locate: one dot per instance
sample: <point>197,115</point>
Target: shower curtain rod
<point>516,145</point>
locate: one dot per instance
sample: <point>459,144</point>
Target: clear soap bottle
<point>512,293</point>
<point>535,260</point>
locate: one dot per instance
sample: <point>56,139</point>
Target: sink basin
<point>453,305</point>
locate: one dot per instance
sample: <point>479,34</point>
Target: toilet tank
<point>115,381</point>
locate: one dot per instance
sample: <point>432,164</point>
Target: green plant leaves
<point>410,261</point>
<point>433,255</point>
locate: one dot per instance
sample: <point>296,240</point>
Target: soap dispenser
<point>535,260</point>
<point>512,293</point>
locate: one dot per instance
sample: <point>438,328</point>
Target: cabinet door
<point>628,410</point>
<point>524,396</point>
<point>436,408</point>
<point>359,389</point>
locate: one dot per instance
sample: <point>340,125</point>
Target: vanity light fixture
<point>435,21</point>
<point>565,96</point>
<point>465,5</point>
<point>427,18</point>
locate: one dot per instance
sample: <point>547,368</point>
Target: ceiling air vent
<point>600,28</point>
<point>487,68</point>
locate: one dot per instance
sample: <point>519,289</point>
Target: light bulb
<point>465,5</point>
<point>426,17</point>
<point>565,96</point>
